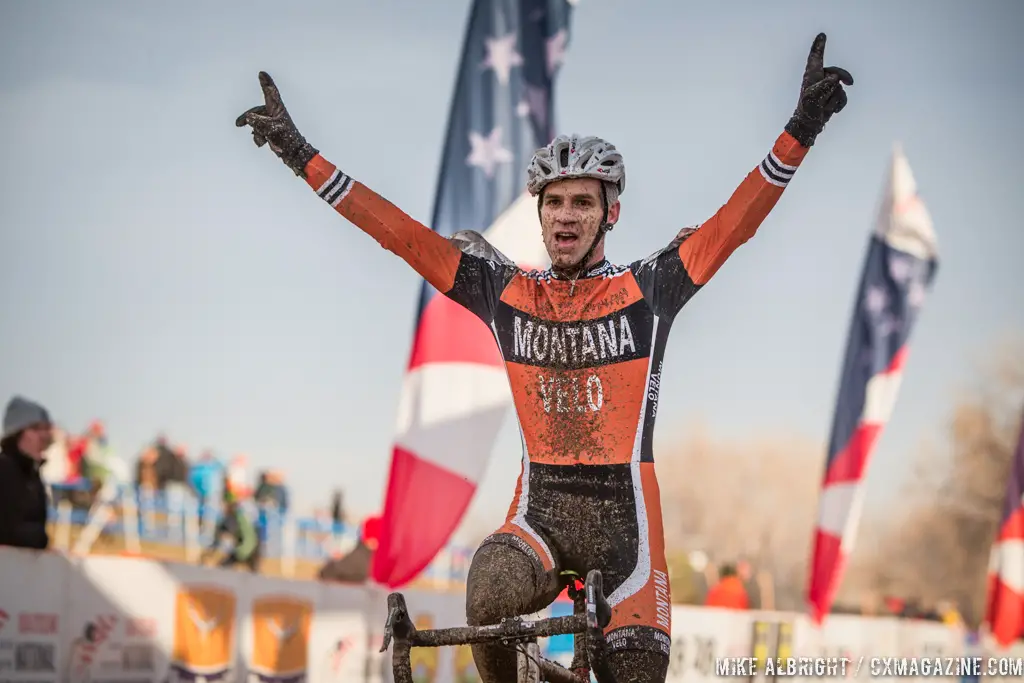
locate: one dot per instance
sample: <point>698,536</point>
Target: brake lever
<point>398,623</point>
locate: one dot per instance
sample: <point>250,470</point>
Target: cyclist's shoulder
<point>473,243</point>
<point>669,251</point>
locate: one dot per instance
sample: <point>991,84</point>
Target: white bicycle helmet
<point>577,156</point>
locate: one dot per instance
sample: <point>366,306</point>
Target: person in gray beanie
<point>27,433</point>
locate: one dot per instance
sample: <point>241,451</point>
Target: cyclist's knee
<point>638,666</point>
<point>502,582</point>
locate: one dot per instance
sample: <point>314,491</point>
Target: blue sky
<point>162,273</point>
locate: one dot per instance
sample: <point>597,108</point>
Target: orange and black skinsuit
<point>585,366</point>
<point>584,361</point>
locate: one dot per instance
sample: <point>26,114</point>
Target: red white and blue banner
<point>1005,613</point>
<point>898,271</point>
<point>455,394</point>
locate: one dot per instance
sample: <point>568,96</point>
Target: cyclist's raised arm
<point>704,250</point>
<point>674,274</point>
<point>671,276</point>
<point>430,254</point>
<point>464,268</point>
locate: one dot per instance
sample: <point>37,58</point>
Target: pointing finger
<point>843,74</point>
<point>816,58</point>
<point>271,94</point>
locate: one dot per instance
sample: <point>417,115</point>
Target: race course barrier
<point>129,620</point>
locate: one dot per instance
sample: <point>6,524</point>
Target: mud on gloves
<point>271,124</point>
<point>821,95</point>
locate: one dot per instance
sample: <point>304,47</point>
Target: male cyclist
<point>583,345</point>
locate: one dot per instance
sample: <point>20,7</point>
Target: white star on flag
<point>556,50</point>
<point>916,294</point>
<point>502,56</point>
<point>875,299</point>
<point>488,152</point>
<point>523,109</point>
<point>901,269</point>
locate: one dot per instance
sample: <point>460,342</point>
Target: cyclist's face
<point>570,215</point>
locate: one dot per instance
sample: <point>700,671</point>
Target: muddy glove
<point>821,95</point>
<point>272,125</point>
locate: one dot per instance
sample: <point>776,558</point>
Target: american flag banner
<point>1005,612</point>
<point>455,394</point>
<point>898,271</point>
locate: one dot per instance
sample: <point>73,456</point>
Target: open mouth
<point>566,240</point>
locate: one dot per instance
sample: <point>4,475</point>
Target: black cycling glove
<point>821,95</point>
<point>271,124</point>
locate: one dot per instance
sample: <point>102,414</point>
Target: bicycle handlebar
<point>400,628</point>
<point>511,629</point>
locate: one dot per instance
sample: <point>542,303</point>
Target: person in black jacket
<point>27,433</point>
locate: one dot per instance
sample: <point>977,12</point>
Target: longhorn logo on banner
<point>281,626</point>
<point>204,635</point>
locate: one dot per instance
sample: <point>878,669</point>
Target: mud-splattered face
<point>570,215</point>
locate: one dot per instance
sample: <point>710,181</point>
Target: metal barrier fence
<point>176,518</point>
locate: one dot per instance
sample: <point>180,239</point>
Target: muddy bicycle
<point>591,614</point>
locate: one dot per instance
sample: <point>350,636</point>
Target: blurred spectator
<point>355,566</point>
<point>893,604</point>
<point>238,528</point>
<point>170,463</point>
<point>56,468</point>
<point>261,494</point>
<point>77,445</point>
<point>729,592</point>
<point>238,476</point>
<point>746,573</point>
<point>97,461</point>
<point>175,485</point>
<point>271,491</point>
<point>145,472</point>
<point>369,534</point>
<point>206,476</point>
<point>911,609</point>
<point>27,433</point>
<point>337,508</point>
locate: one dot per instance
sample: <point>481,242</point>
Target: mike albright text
<point>876,667</point>
<point>782,666</point>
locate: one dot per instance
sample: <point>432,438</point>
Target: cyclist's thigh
<point>639,666</point>
<point>506,581</point>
